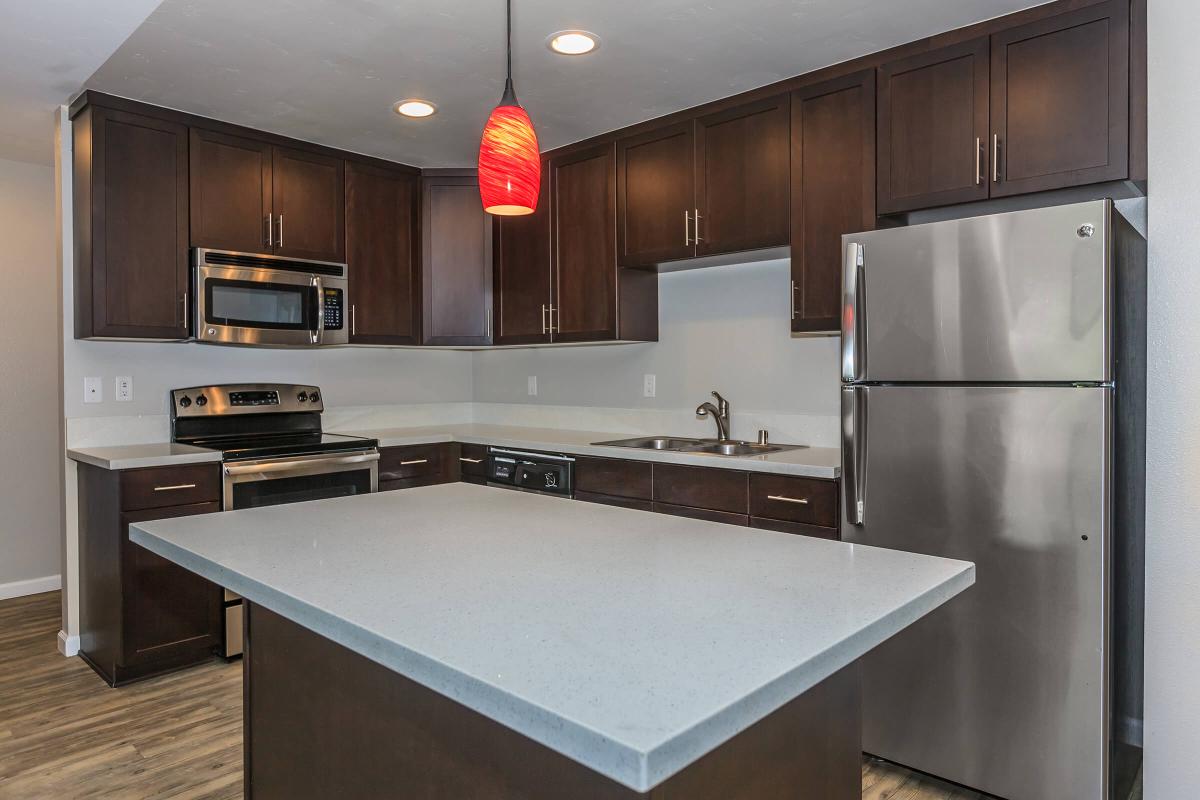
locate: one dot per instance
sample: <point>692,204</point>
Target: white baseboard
<point>68,645</point>
<point>49,583</point>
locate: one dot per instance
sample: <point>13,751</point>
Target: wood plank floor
<point>65,734</point>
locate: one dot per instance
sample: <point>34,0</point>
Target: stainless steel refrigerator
<point>992,411</point>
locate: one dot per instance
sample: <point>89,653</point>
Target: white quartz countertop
<point>631,642</point>
<point>812,462</point>
<point>134,456</point>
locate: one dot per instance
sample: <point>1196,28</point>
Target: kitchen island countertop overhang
<point>632,643</point>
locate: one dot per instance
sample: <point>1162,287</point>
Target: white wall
<point>30,444</point>
<point>1172,728</point>
<point>723,328</point>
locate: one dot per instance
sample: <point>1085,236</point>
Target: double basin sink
<point>714,447</point>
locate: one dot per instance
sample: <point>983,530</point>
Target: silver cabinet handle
<point>353,319</point>
<point>414,461</point>
<point>543,319</point>
<point>280,242</point>
<point>995,158</point>
<point>978,159</point>
<point>687,228</point>
<point>187,313</point>
<point>555,328</point>
<point>793,300</point>
<point>466,460</point>
<point>175,487</point>
<point>270,230</point>
<point>696,238</point>
<point>488,322</point>
<point>801,500</point>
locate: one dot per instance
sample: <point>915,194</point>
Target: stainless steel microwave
<point>254,299</point>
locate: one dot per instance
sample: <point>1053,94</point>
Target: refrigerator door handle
<point>854,452</point>
<point>853,323</point>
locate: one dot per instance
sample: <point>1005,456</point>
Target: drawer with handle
<point>159,487</point>
<point>791,499</point>
<point>415,464</point>
<point>472,460</point>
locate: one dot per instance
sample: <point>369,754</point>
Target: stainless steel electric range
<point>273,451</point>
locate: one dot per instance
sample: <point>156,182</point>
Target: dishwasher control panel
<point>548,473</point>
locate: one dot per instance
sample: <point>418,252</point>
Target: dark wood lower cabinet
<point>322,721</point>
<point>140,614</point>
<point>614,500</point>
<point>417,465</point>
<point>707,514</point>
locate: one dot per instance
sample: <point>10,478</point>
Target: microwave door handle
<point>319,334</point>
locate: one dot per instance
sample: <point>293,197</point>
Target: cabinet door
<point>230,192</point>
<point>131,229</point>
<point>1060,101</point>
<point>656,196</point>
<point>456,263</point>
<point>308,195</point>
<point>381,218</point>
<point>933,128</point>
<point>742,188</point>
<point>167,609</point>
<point>585,259</point>
<point>522,274</point>
<point>833,191</point>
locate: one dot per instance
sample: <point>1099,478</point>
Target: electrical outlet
<point>93,390</point>
<point>533,385</point>
<point>123,388</point>
<point>647,385</point>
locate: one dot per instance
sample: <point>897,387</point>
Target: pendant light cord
<point>510,97</point>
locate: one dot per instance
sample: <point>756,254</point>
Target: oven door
<point>266,306</point>
<point>253,484</point>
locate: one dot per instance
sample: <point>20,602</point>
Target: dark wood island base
<point>324,722</point>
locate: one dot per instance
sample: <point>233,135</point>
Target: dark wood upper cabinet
<point>584,247</point>
<point>456,247</point>
<point>833,191</point>
<point>523,282</point>
<point>252,196</point>
<point>308,194</point>
<point>131,218</point>
<point>933,128</point>
<point>381,257</point>
<point>230,192</point>
<point>1060,101</point>
<point>742,178</point>
<point>656,196</point>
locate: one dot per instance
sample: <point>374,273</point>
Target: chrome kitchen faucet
<point>720,414</point>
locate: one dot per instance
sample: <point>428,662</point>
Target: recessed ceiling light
<point>415,108</point>
<point>573,43</point>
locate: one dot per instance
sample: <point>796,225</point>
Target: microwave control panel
<point>334,317</point>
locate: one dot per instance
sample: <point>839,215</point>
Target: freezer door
<point>1007,298</point>
<point>1004,688</point>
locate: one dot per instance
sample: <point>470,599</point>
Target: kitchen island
<point>466,641</point>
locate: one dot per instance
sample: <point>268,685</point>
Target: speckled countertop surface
<point>633,643</point>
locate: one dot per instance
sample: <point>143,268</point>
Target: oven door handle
<point>290,465</point>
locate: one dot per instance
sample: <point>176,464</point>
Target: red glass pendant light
<point>510,173</point>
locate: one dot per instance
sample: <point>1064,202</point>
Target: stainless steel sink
<point>655,443</point>
<point>733,448</point>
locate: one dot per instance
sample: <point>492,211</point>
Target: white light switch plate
<point>648,385</point>
<point>123,388</point>
<point>93,390</point>
<point>533,385</point>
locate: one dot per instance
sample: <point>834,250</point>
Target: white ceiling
<point>48,48</point>
<point>329,70</point>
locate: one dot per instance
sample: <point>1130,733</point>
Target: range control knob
<point>185,401</point>
<point>301,397</point>
<point>313,397</point>
<point>201,400</point>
